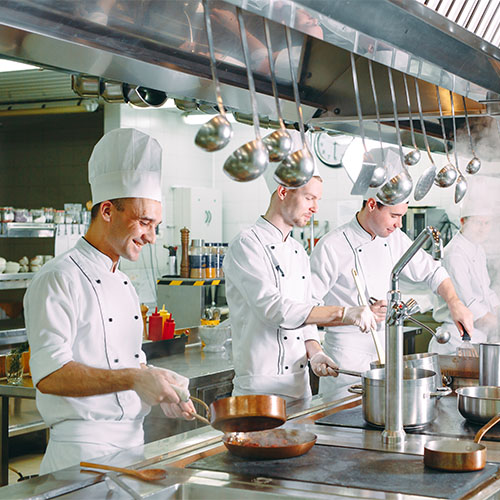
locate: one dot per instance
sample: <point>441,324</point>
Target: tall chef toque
<point>482,198</point>
<point>125,163</point>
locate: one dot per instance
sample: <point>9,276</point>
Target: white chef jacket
<point>332,261</point>
<point>269,295</point>
<point>77,309</point>
<point>465,262</point>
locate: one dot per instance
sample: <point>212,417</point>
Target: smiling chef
<point>372,243</point>
<point>83,318</point>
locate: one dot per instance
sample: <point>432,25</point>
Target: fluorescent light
<point>6,65</point>
<point>202,119</point>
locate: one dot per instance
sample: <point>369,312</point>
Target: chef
<point>273,318</point>
<point>465,261</point>
<point>371,243</point>
<point>83,318</point>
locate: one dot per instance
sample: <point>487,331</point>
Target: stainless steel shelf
<point>15,281</point>
<point>27,230</point>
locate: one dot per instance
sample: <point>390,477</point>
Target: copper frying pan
<point>458,454</point>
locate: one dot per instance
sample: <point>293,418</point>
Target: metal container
<point>419,398</point>
<point>423,360</point>
<point>478,403</point>
<point>489,364</point>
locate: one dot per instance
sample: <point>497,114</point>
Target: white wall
<point>186,165</point>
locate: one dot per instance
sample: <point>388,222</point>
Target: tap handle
<point>412,307</point>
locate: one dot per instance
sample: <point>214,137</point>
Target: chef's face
<point>384,220</point>
<point>133,225</point>
<point>476,228</point>
<point>300,204</point>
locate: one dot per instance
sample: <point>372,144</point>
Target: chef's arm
<point>459,313</point>
<point>325,316</point>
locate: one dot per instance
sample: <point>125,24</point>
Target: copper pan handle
<point>205,407</point>
<point>485,428</point>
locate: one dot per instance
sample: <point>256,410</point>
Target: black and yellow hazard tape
<point>189,282</point>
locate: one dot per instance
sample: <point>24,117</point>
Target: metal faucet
<point>397,312</point>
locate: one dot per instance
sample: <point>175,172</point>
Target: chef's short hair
<point>119,203</point>
<point>379,204</point>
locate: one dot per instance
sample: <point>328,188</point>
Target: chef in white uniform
<point>371,243</point>
<point>83,318</point>
<point>273,318</point>
<point>465,261</point>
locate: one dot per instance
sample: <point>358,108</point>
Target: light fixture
<point>50,107</point>
<point>197,119</point>
<point>7,65</point>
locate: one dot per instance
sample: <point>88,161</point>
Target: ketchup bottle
<point>155,326</point>
<point>168,328</point>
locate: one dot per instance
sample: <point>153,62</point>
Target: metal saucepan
<point>458,454</point>
<point>479,403</point>
<point>270,444</point>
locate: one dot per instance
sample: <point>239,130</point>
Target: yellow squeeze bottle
<point>164,316</point>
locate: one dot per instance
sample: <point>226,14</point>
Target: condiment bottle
<point>168,328</point>
<point>211,260</point>
<point>164,315</point>
<point>155,326</point>
<point>196,259</point>
<point>185,253</point>
<point>144,312</point>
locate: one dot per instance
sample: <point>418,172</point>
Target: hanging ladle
<point>475,164</point>
<point>250,160</point>
<point>279,143</point>
<point>380,173</point>
<point>413,156</point>
<point>461,185</point>
<point>448,174</point>
<point>426,180</point>
<point>217,132</point>
<point>296,169</point>
<point>399,187</point>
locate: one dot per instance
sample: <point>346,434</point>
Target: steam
<point>485,140</point>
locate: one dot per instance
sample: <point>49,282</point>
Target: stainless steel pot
<point>423,360</point>
<point>143,97</point>
<point>489,364</point>
<point>419,397</point>
<point>479,403</point>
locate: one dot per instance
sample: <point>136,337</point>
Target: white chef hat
<point>125,163</point>
<point>392,160</point>
<point>482,197</point>
<point>268,175</point>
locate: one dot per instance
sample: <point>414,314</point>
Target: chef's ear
<point>371,204</point>
<point>281,191</point>
<point>105,210</point>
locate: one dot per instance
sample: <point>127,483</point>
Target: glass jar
<point>221,252</point>
<point>49,214</point>
<point>8,214</point>
<point>196,259</point>
<point>59,216</point>
<point>211,260</point>
<point>37,215</point>
<point>22,215</point>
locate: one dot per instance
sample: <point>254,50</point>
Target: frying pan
<point>457,454</point>
<point>270,444</point>
<point>478,403</point>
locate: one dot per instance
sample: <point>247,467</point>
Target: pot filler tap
<point>397,312</point>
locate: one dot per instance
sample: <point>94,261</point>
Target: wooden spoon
<point>145,474</point>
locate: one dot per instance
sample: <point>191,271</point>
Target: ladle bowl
<point>379,176</point>
<point>215,134</point>
<point>446,176</point>
<point>473,166</point>
<point>247,162</point>
<point>442,336</point>
<point>279,144</point>
<point>295,170</point>
<point>412,157</point>
<point>396,190</point>
<point>460,188</point>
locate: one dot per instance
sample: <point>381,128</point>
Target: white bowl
<point>213,337</point>
<point>12,267</point>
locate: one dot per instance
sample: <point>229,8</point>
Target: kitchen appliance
<point>489,364</point>
<point>417,219</point>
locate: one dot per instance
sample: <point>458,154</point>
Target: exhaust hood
<point>161,44</point>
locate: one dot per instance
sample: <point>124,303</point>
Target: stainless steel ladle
<point>279,143</point>
<point>426,180</point>
<point>217,132</point>
<point>412,157</point>
<point>475,164</point>
<point>298,168</point>
<point>399,187</point>
<point>380,173</point>
<point>250,160</point>
<point>461,185</point>
<point>448,174</point>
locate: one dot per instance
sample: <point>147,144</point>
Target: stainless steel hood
<point>161,44</point>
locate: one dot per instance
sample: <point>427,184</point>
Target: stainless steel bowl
<point>478,403</point>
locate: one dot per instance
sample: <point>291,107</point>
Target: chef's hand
<point>379,309</point>
<point>322,365</point>
<point>179,410</point>
<point>361,316</point>
<point>155,385</point>
<point>461,316</point>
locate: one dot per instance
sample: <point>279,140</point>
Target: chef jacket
<point>465,261</point>
<point>269,295</point>
<point>332,260</point>
<point>78,309</point>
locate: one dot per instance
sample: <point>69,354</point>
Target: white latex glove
<point>322,365</point>
<point>361,316</point>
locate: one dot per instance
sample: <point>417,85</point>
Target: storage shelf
<point>27,230</point>
<point>15,280</point>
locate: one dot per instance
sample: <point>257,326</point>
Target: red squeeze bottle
<point>168,328</point>
<point>155,324</point>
